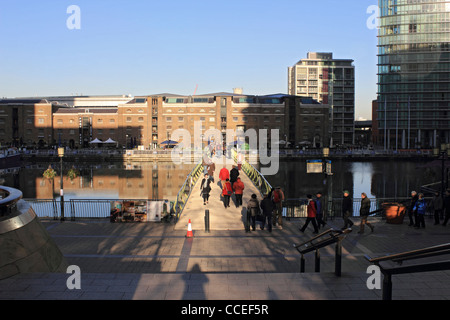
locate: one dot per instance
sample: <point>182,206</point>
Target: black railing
<point>321,241</point>
<point>296,208</point>
<point>97,208</point>
<point>388,270</point>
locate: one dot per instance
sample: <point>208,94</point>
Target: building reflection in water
<point>109,181</point>
<point>379,179</point>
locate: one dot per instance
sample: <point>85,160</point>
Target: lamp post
<point>61,155</point>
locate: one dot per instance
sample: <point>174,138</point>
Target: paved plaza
<point>134,261</point>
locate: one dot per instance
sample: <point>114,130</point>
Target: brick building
<point>149,120</point>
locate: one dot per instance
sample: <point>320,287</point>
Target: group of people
<point>418,206</point>
<point>314,210</point>
<point>269,211</point>
<point>364,212</point>
<point>315,207</point>
<point>230,182</point>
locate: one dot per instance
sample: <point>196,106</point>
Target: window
<point>99,120</point>
<point>71,131</point>
<point>112,121</point>
<point>41,120</point>
<point>168,119</point>
<point>180,119</point>
<point>141,119</point>
<point>128,119</point>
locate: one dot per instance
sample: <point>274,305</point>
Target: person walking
<point>224,174</point>
<point>412,204</point>
<point>238,188</point>
<point>446,207</point>
<point>420,208</point>
<point>227,191</point>
<point>278,198</point>
<point>234,174</point>
<point>347,210</point>
<point>205,188</point>
<point>364,213</point>
<point>319,206</point>
<point>211,169</point>
<point>267,208</point>
<point>253,210</point>
<point>312,212</point>
<point>438,206</point>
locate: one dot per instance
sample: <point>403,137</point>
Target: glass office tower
<point>414,73</point>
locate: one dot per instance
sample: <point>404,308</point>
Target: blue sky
<point>146,47</point>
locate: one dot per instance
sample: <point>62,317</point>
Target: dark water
<point>379,179</point>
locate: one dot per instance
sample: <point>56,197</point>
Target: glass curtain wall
<point>414,73</point>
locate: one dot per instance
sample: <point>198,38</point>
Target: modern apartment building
<point>413,109</point>
<point>149,120</point>
<point>332,82</point>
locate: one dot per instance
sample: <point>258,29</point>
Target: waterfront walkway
<point>124,261</point>
<point>221,218</point>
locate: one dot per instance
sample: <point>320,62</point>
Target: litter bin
<point>395,212</point>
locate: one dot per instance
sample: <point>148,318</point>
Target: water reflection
<point>106,181</point>
<point>379,179</point>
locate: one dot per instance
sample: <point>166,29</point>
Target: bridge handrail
<point>186,189</point>
<point>253,174</point>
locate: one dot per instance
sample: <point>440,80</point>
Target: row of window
<point>235,119</point>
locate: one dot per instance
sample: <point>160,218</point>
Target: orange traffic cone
<point>189,232</point>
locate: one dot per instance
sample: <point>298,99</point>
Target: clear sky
<point>147,47</point>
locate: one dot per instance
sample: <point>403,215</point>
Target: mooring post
<point>207,220</point>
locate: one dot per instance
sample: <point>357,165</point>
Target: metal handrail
<point>336,236</point>
<point>253,174</point>
<point>333,234</point>
<point>433,251</point>
<point>183,196</point>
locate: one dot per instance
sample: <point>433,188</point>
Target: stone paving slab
<point>230,287</point>
<point>130,261</point>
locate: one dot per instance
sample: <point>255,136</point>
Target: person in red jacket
<point>224,174</point>
<point>227,191</point>
<point>312,211</point>
<point>238,188</point>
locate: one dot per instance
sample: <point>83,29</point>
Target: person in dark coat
<point>347,210</point>
<point>267,208</point>
<point>319,205</point>
<point>253,210</point>
<point>234,174</point>
<point>364,213</point>
<point>446,207</point>
<point>412,204</point>
<point>438,206</point>
<point>205,188</point>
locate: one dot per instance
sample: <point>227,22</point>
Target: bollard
<point>207,221</point>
